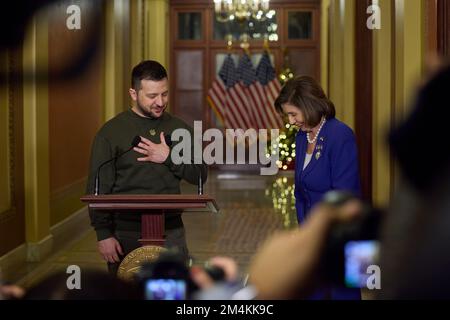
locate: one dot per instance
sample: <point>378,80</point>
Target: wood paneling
<point>190,70</point>
<point>189,88</point>
<point>190,106</point>
<point>431,26</point>
<point>304,61</point>
<point>443,26</point>
<point>75,114</point>
<point>363,96</point>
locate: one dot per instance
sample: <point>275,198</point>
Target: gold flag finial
<point>229,42</point>
<point>245,45</point>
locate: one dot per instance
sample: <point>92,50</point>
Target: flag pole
<point>266,43</point>
<point>229,43</point>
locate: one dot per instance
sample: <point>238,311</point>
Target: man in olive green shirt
<point>147,169</point>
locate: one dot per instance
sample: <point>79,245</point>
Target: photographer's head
<point>413,136</point>
<point>415,238</point>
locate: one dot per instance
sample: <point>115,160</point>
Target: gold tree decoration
<point>283,199</point>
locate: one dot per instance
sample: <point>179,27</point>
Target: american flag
<point>265,73</point>
<point>253,91</point>
<point>228,99</point>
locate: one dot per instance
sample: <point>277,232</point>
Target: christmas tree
<point>286,140</point>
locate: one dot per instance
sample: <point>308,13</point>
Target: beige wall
<point>324,30</point>
<point>75,114</point>
<point>62,118</point>
<point>342,52</point>
<point>36,137</point>
<point>137,31</point>
<point>117,58</point>
<point>157,31</point>
<point>409,38</point>
<point>397,71</point>
<point>382,104</point>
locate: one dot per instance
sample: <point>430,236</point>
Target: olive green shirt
<point>126,175</point>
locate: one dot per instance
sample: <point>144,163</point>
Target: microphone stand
<point>200,183</point>
<point>134,143</point>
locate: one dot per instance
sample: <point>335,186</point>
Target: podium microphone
<point>200,183</point>
<point>200,180</point>
<point>134,143</point>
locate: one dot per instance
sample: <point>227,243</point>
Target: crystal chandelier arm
<point>242,10</point>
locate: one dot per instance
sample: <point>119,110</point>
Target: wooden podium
<point>151,208</point>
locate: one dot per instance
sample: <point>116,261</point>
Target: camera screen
<point>359,256</point>
<point>165,289</point>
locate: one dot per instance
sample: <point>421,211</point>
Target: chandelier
<point>241,10</point>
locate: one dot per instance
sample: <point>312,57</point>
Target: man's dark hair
<point>147,70</point>
<point>307,95</point>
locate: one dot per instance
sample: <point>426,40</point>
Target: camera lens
<point>216,273</point>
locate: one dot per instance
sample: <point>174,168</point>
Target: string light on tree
<point>286,140</point>
<point>286,72</point>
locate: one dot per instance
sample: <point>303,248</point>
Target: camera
<point>352,247</point>
<point>165,289</point>
<point>168,278</point>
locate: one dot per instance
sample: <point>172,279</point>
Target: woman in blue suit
<point>326,154</point>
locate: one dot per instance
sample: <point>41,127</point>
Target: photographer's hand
<point>286,265</point>
<point>8,292</point>
<point>203,280</point>
<point>228,265</point>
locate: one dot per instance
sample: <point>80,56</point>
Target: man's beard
<point>146,113</point>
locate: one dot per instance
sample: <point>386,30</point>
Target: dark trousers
<point>174,239</point>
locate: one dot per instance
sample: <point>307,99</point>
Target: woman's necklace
<point>317,134</point>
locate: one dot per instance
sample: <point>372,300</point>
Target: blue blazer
<point>334,166</point>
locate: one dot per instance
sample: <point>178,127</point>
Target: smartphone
<point>165,289</point>
<point>358,257</point>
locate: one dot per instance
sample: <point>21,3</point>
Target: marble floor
<point>251,208</point>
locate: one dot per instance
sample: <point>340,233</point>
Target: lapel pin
<point>152,132</point>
